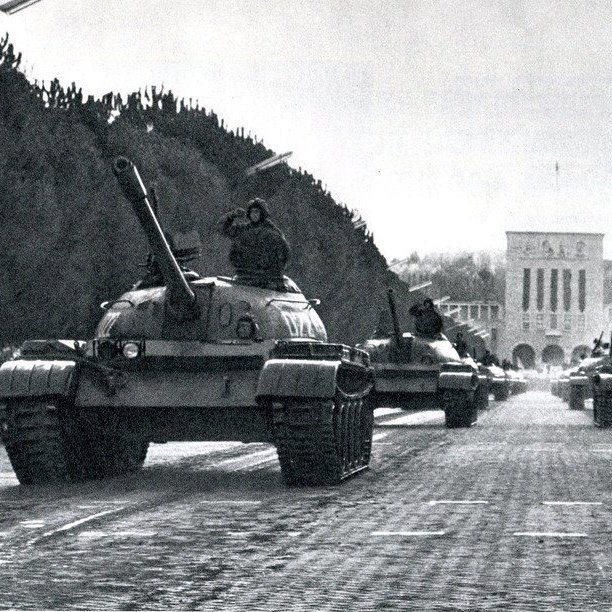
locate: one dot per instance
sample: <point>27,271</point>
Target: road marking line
<point>32,524</point>
<point>572,503</point>
<point>550,534</point>
<point>74,524</point>
<point>248,457</point>
<point>457,501</point>
<point>408,533</point>
<point>236,502</point>
<point>602,450</point>
<point>382,443</point>
<point>120,534</point>
<point>379,436</point>
<point>379,412</point>
<point>415,419</point>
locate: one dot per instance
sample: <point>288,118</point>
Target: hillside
<point>70,240</point>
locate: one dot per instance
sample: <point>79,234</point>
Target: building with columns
<point>554,296</point>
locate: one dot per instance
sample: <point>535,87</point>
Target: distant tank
<point>418,371</point>
<point>499,382</point>
<point>202,359</point>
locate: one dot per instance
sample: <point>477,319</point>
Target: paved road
<point>513,513</point>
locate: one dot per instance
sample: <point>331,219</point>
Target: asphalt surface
<point>514,513</point>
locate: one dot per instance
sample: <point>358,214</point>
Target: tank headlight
<point>246,328</point>
<point>131,350</point>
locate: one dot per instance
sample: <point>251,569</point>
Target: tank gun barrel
<point>182,299</point>
<point>397,331</point>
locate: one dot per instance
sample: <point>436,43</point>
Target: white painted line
<point>235,502</point>
<point>382,443</point>
<point>379,412</point>
<point>602,450</point>
<point>379,436</point>
<point>550,534</point>
<point>293,534</point>
<point>408,533</point>
<point>117,534</point>
<point>250,457</point>
<point>457,501</point>
<point>74,524</point>
<point>572,503</point>
<point>415,419</point>
<point>33,524</point>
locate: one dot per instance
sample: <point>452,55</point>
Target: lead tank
<point>419,371</point>
<point>208,359</point>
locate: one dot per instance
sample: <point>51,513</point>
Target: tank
<point>193,359</point>
<point>417,371</point>
<point>499,382</point>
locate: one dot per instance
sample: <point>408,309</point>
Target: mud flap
<point>298,378</point>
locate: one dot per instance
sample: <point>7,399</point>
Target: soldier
<point>460,345</point>
<point>427,319</point>
<point>259,251</point>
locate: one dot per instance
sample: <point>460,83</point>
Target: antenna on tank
<point>14,6</point>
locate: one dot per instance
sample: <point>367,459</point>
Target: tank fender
<point>466,381</point>
<point>32,378</point>
<point>298,378</point>
<point>603,381</point>
<point>579,380</point>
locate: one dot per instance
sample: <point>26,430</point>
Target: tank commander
<point>259,251</point>
<point>427,320</point>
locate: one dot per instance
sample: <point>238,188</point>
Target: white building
<point>554,296</point>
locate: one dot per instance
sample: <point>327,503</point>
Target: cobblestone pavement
<point>515,512</point>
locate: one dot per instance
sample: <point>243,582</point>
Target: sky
<point>440,121</point>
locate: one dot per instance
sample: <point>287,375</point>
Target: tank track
<point>482,396</point>
<point>576,398</point>
<point>39,448</point>
<point>602,409</point>
<point>501,394</point>
<point>460,408</point>
<point>322,442</point>
<point>45,448</point>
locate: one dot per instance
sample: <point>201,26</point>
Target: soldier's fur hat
<point>263,208</point>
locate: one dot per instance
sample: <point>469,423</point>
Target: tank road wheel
<point>39,446</point>
<point>576,398</point>
<point>460,408</point>
<point>322,442</point>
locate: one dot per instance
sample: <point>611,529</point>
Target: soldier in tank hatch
<point>259,251</point>
<point>427,320</point>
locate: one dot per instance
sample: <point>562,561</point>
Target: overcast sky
<point>441,121</point>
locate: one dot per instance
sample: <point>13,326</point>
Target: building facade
<point>487,317</point>
<point>554,296</point>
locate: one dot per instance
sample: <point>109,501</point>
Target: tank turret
<point>181,300</point>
